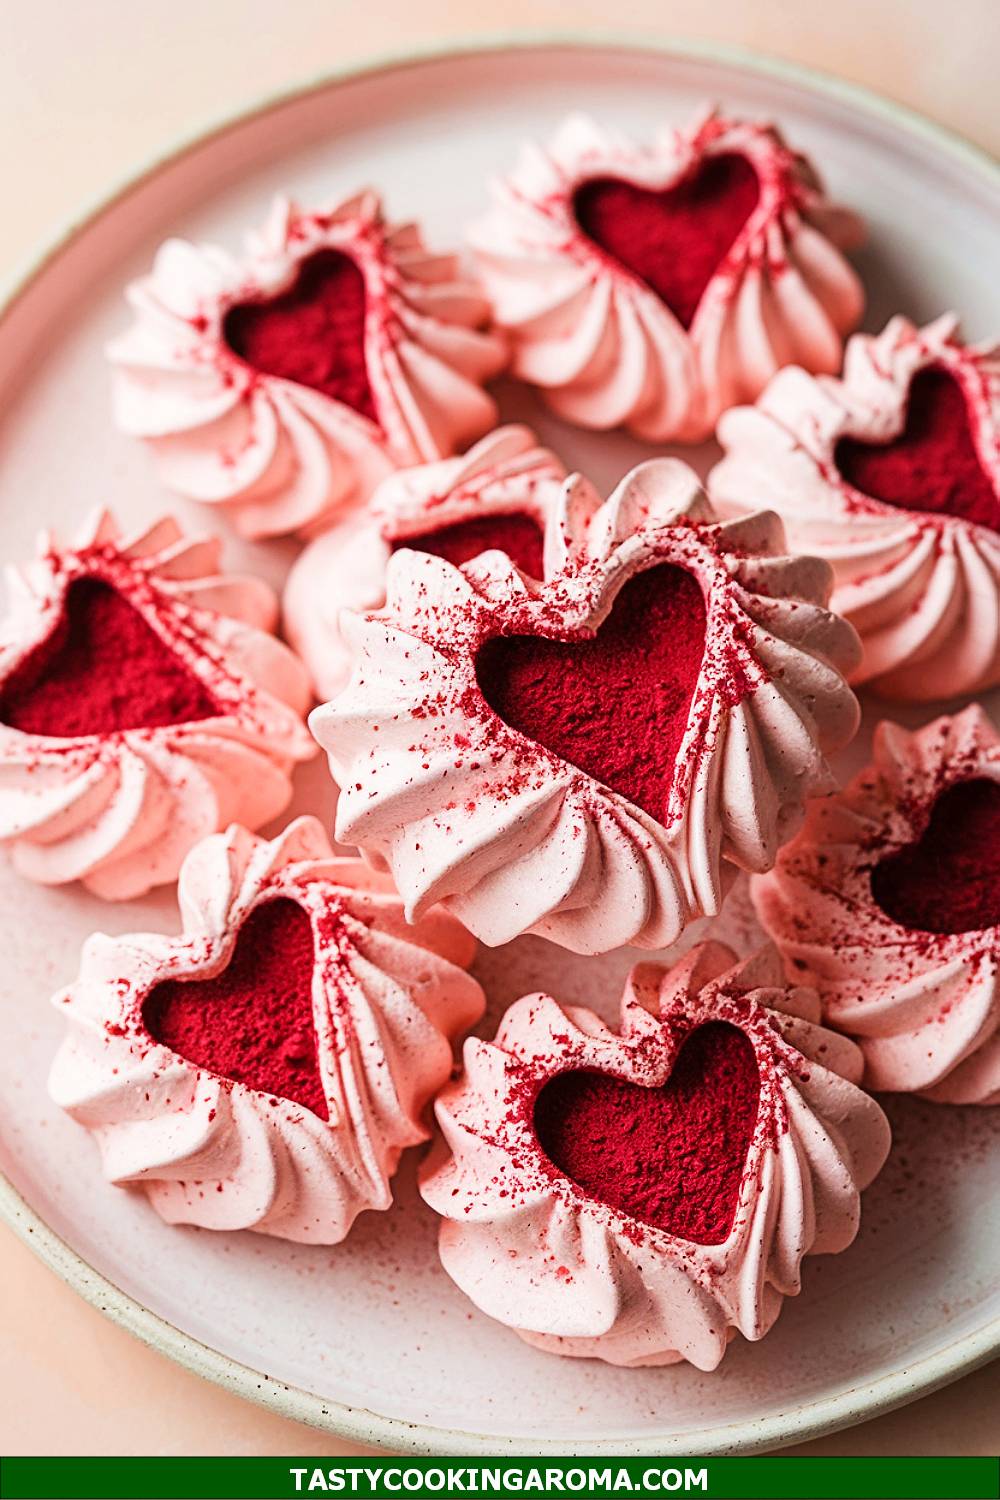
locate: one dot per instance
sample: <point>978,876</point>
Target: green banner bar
<point>766,1478</point>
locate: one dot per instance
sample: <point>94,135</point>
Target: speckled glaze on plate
<point>371,1340</point>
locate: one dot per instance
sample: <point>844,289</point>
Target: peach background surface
<point>87,94</point>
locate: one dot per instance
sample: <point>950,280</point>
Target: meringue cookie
<point>917,569</point>
<point>504,492</point>
<point>357,1026</point>
<point>580,235</point>
<point>888,902</point>
<point>143,704</point>
<point>677,745</point>
<point>374,358</point>
<point>719,1238</point>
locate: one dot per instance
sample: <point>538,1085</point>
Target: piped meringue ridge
<point>914,981</point>
<point>512,837</point>
<point>118,809</point>
<point>920,581</point>
<point>441,506</point>
<point>580,1276</point>
<point>280,454</point>
<point>605,349</point>
<point>386,1001</point>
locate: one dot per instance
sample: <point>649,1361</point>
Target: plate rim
<point>825,1415</point>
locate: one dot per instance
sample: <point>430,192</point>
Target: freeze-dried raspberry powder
<point>674,240</point>
<point>949,879</point>
<point>933,465</point>
<point>615,705</point>
<point>253,1023</point>
<point>517,534</point>
<point>313,333</point>
<point>672,1157</point>
<point>103,669</point>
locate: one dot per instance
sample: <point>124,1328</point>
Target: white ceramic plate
<point>371,1339</point>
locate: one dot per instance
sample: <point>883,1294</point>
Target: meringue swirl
<point>466,810</point>
<point>574,1275</point>
<point>603,347</point>
<point>118,811</point>
<point>344,568</point>
<point>388,1000</point>
<point>923,1006</point>
<point>922,589</point>
<point>276,455</point>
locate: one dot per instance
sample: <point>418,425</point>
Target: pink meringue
<point>888,902</point>
<point>143,704</point>
<point>505,492</point>
<point>581,233</point>
<point>918,574</point>
<point>713,708</point>
<point>575,1273</point>
<point>391,351</point>
<point>383,1003</point>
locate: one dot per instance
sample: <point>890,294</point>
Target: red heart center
<point>102,669</point>
<point>949,879</point>
<point>672,1157</point>
<point>933,465</point>
<point>517,534</point>
<point>674,240</point>
<point>252,1023</point>
<point>615,705</point>
<point>313,333</point>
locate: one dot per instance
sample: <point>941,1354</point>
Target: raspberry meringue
<point>641,1195</point>
<point>504,493</point>
<point>892,473</point>
<point>287,383</point>
<point>588,758</point>
<point>266,1069</point>
<point>889,903</point>
<point>652,287</point>
<point>143,704</point>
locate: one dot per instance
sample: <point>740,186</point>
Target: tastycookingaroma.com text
<point>396,1479</point>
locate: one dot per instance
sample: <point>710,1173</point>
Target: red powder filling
<point>102,669</point>
<point>672,1157</point>
<point>949,879</point>
<point>673,240</point>
<point>252,1023</point>
<point>933,465</point>
<point>517,534</point>
<point>615,705</point>
<point>313,333</point>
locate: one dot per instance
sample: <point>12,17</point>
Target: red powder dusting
<point>949,880</point>
<point>615,705</point>
<point>314,333</point>
<point>672,1157</point>
<point>673,240</point>
<point>252,1023</point>
<point>933,465</point>
<point>517,534</point>
<point>102,669</point>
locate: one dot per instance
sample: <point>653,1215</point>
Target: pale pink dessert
<point>265,1069</point>
<point>892,473</point>
<point>651,287</point>
<point>641,1195</point>
<point>144,703</point>
<point>889,903</point>
<point>285,383</point>
<point>592,757</point>
<point>505,492</point>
